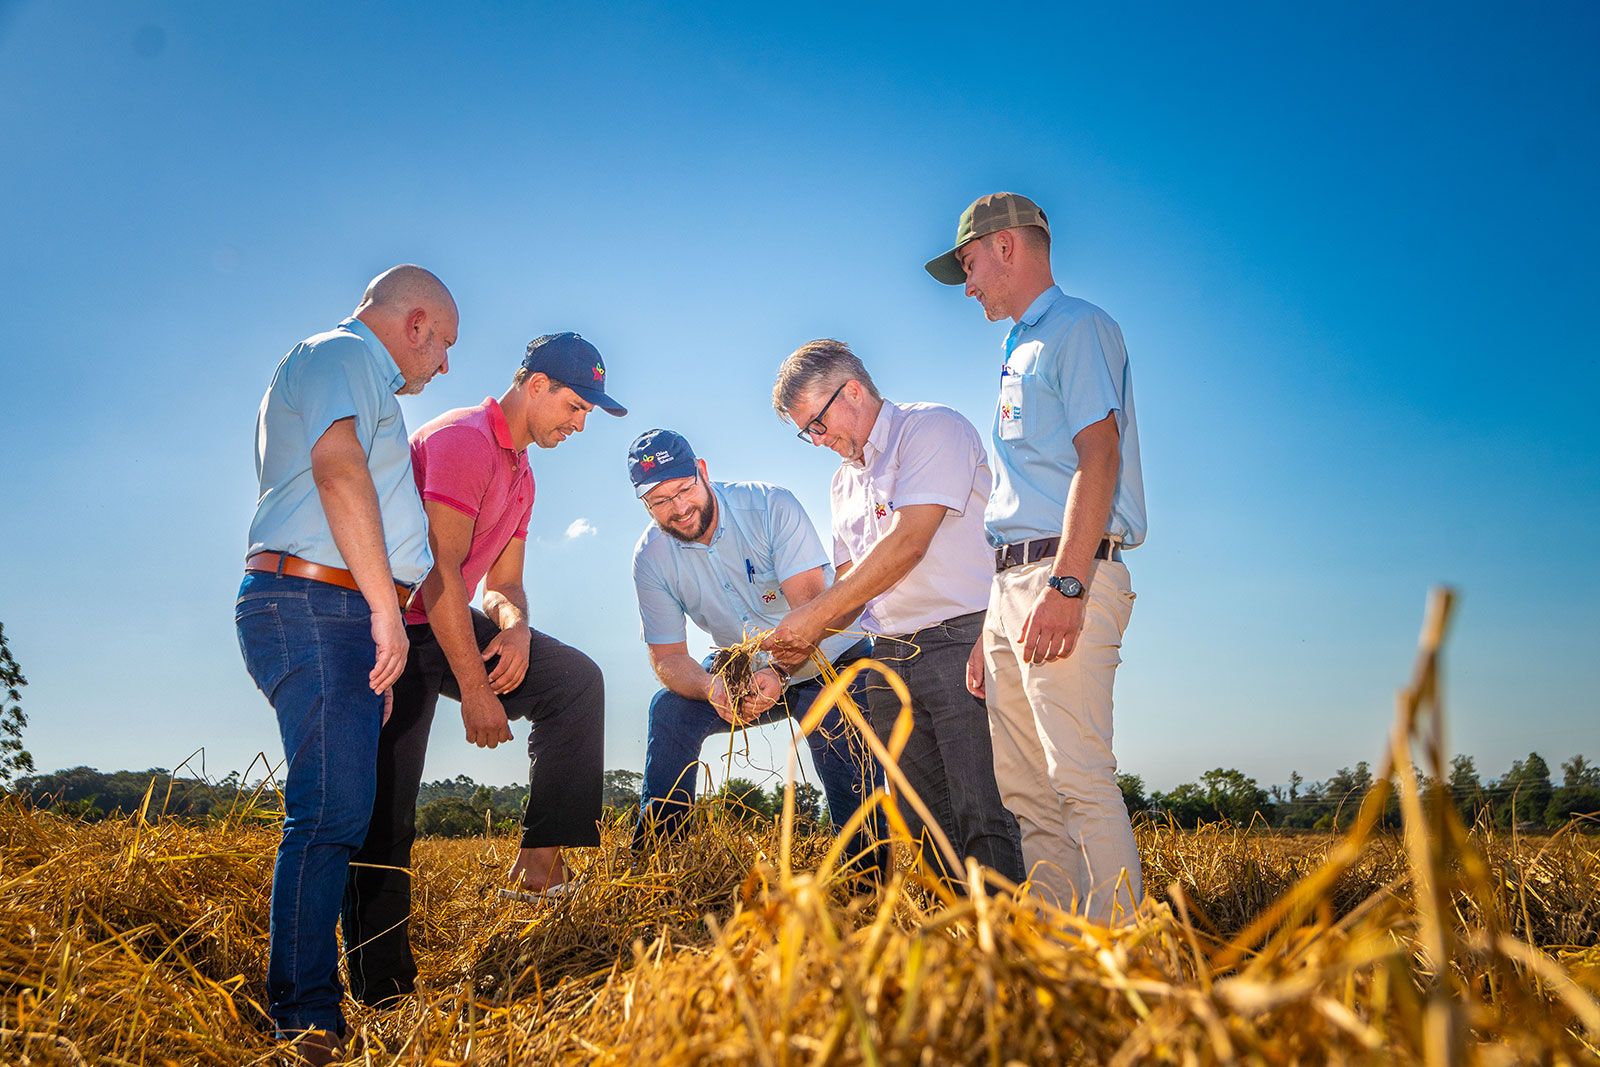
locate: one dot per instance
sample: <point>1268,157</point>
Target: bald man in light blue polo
<point>338,544</point>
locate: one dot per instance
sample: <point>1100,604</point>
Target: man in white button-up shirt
<point>908,542</point>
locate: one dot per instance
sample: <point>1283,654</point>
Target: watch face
<point>1067,585</point>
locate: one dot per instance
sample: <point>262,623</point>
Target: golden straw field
<point>132,941</point>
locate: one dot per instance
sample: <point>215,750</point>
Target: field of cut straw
<point>137,942</point>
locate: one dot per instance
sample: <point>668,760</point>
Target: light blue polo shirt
<point>1065,368</point>
<point>731,587</point>
<point>344,373</point>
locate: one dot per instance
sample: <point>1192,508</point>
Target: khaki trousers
<point>1051,726</point>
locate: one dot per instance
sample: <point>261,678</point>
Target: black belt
<point>1015,555</point>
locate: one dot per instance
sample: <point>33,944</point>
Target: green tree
<point>449,817</point>
<point>809,810</point>
<point>14,759</point>
<point>1528,790</point>
<point>743,797</point>
<point>1579,795</point>
<point>1133,796</point>
<point>1465,787</point>
<point>1579,773</point>
<point>620,789</point>
<point>1233,795</point>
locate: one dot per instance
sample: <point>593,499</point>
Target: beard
<point>701,523</point>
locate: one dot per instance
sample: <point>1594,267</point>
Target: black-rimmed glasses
<point>815,427</point>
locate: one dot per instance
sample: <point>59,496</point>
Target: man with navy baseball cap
<point>734,557</point>
<point>473,475</point>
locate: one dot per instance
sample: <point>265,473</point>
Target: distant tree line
<point>1525,796</point>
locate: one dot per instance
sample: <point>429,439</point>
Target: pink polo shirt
<point>464,459</point>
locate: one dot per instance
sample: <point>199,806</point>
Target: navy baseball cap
<point>575,363</point>
<point>658,456</point>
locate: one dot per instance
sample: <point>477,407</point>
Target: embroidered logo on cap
<point>599,373</point>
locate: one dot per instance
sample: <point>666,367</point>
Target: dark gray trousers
<point>949,759</point>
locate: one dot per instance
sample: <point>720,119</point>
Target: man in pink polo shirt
<point>472,471</point>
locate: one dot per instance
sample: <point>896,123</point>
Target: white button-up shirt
<point>918,454</point>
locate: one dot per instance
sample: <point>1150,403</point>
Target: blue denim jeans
<point>679,727</point>
<point>308,646</point>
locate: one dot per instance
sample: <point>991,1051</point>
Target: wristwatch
<point>1066,585</point>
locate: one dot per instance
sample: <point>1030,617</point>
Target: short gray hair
<point>817,365</point>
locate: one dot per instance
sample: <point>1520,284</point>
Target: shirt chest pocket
<point>1019,395</point>
<point>765,585</point>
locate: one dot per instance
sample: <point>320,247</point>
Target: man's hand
<point>797,633</point>
<point>511,645</point>
<point>389,634</point>
<point>718,696</point>
<point>484,718</point>
<point>975,684</point>
<point>1052,627</point>
<point>769,690</point>
<point>388,707</point>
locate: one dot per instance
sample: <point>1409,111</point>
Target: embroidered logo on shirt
<point>1011,412</point>
<point>769,596</point>
<point>882,509</point>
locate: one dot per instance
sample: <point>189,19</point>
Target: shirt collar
<point>874,445</point>
<point>387,367</point>
<point>1040,305</point>
<point>498,424</point>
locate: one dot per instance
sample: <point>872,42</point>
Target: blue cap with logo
<point>658,456</point>
<point>575,363</point>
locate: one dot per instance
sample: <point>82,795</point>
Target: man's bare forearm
<point>506,606</point>
<point>344,486</point>
<point>682,673</point>
<point>448,603</point>
<point>1088,511</point>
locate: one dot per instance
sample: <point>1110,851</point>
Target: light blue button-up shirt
<point>1065,368</point>
<point>344,373</point>
<point>732,586</point>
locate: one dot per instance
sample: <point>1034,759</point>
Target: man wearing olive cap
<point>473,475</point>
<point>1068,500</point>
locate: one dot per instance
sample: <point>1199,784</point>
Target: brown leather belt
<point>295,567</point>
<point>1015,555</point>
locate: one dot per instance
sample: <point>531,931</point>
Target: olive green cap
<point>986,215</point>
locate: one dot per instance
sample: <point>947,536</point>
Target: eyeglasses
<point>815,427</point>
<point>673,500</point>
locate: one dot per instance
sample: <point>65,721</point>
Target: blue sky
<point>1352,252</point>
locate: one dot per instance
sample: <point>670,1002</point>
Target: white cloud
<point>580,528</point>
